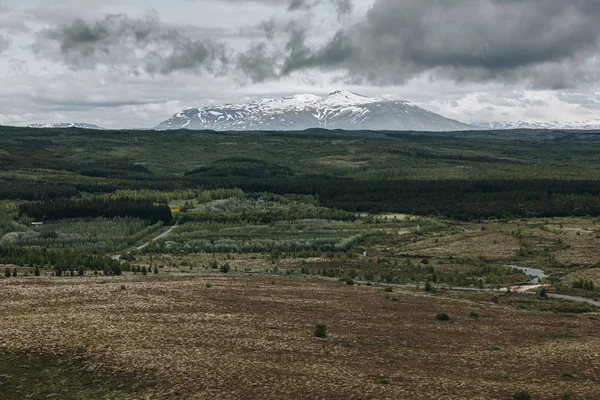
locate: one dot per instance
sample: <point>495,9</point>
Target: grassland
<point>253,337</point>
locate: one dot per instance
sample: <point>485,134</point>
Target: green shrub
<point>522,395</point>
<point>349,282</point>
<point>7,272</point>
<point>442,317</point>
<point>224,268</point>
<point>320,331</point>
<point>14,273</point>
<point>208,285</point>
<point>474,315</point>
<point>388,289</point>
<point>36,271</point>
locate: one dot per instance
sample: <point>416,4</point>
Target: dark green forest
<point>464,175</point>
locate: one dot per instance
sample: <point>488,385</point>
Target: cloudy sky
<point>134,63</point>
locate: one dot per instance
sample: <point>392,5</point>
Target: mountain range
<point>66,125</point>
<point>338,110</point>
<point>592,124</point>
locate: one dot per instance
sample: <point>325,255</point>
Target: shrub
<point>474,315</point>
<point>208,285</point>
<point>429,287</point>
<point>442,317</point>
<point>349,282</point>
<point>14,273</point>
<point>155,270</point>
<point>224,268</point>
<point>543,292</point>
<point>389,289</point>
<point>320,331</point>
<point>522,395</point>
<point>36,271</point>
<point>144,271</point>
<point>7,272</point>
<point>494,299</point>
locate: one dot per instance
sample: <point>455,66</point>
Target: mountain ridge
<point>338,110</point>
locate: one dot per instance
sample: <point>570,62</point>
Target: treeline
<point>263,212</point>
<point>144,232</point>
<point>91,207</point>
<point>61,260</point>
<point>183,245</point>
<point>458,199</point>
<point>158,196</point>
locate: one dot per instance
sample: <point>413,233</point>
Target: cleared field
<point>175,336</point>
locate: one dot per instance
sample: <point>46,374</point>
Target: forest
<point>96,194</point>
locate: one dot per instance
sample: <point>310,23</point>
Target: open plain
<point>217,336</point>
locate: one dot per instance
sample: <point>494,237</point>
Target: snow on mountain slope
<point>339,110</point>
<point>592,124</point>
<point>66,125</point>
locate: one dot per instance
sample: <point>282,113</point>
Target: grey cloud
<point>258,64</point>
<point>11,20</point>
<point>119,41</point>
<point>342,7</point>
<point>5,42</point>
<point>299,5</point>
<point>334,53</point>
<point>504,40</point>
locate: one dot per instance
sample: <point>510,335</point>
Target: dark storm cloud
<point>549,44</point>
<point>542,41</point>
<point>119,41</point>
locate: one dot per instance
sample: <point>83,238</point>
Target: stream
<point>538,275</point>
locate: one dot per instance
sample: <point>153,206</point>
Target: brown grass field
<point>174,336</point>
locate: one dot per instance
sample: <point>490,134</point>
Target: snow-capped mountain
<point>592,124</point>
<point>339,110</point>
<point>66,125</point>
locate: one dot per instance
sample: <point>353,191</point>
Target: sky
<point>134,63</point>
